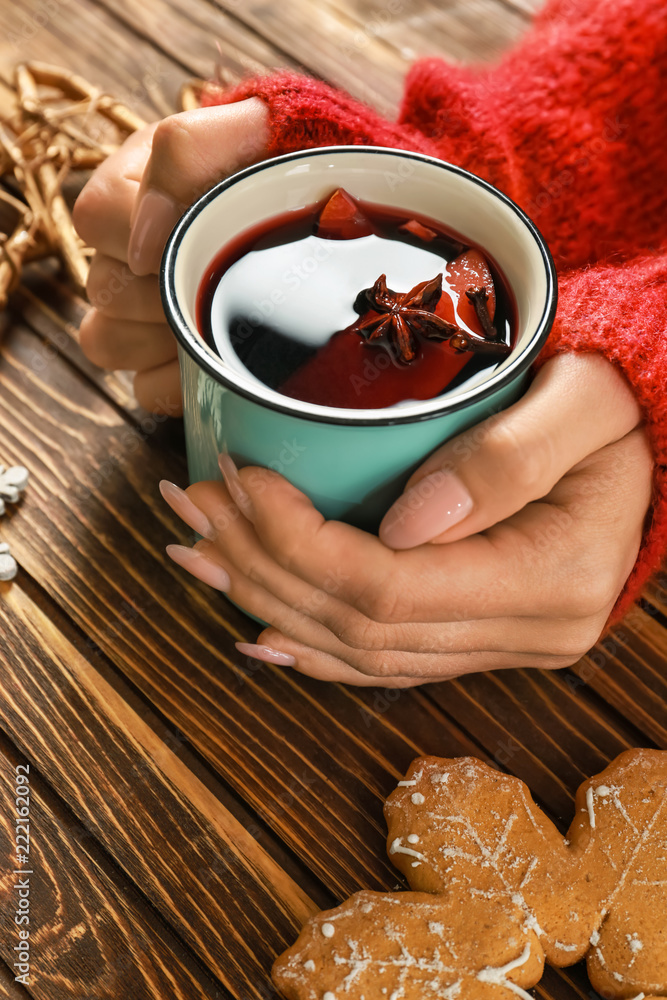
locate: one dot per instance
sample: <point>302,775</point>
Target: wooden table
<point>189,808</point>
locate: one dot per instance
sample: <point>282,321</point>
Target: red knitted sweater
<point>571,124</point>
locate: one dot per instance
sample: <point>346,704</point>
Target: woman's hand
<point>508,548</point>
<point>126,212</point>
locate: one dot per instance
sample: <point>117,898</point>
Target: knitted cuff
<point>305,113</point>
<point>621,313</point>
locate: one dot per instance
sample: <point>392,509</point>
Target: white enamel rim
<point>494,207</point>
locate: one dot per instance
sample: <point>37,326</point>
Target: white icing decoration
<point>309,965</point>
<point>498,976</point>
<point>594,938</point>
<point>416,864</point>
<point>566,947</point>
<point>404,784</point>
<point>452,991</point>
<point>591,807</point>
<point>529,872</point>
<point>413,838</point>
<point>328,930</point>
<point>397,848</point>
<point>634,943</point>
<point>329,995</point>
<point>530,920</point>
<point>417,799</point>
<point>602,791</point>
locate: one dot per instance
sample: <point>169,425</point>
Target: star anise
<point>402,315</point>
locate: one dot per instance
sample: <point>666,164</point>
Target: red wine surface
<point>283,298</point>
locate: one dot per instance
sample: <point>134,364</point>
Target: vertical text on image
<point>24,871</point>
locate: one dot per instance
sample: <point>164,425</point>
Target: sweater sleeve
<point>571,123</point>
<point>620,311</point>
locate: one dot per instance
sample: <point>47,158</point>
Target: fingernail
<point>433,505</point>
<point>230,474</point>
<point>200,566</point>
<point>155,217</point>
<point>266,654</point>
<point>182,505</point>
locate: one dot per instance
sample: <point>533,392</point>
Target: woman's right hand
<point>126,212</point>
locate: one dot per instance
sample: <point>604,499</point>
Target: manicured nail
<point>201,566</point>
<point>428,508</point>
<point>231,476</point>
<point>266,654</point>
<point>182,505</point>
<point>155,217</point>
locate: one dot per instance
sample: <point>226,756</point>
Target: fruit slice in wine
<point>342,219</point>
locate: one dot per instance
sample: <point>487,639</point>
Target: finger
<point>324,667</point>
<point>118,293</point>
<point>479,577</point>
<point>191,151</point>
<point>237,542</point>
<point>576,405</point>
<point>113,344</point>
<point>158,390</point>
<point>610,494</point>
<point>388,664</point>
<point>102,211</point>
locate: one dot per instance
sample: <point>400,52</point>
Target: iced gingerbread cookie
<point>498,890</point>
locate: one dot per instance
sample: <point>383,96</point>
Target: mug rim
<point>193,344</point>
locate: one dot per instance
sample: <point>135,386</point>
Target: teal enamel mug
<point>351,463</point>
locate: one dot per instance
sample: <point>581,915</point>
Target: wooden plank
<point>191,858</point>
<point>54,311</point>
<point>460,30</point>
<point>91,934</point>
<point>311,40</point>
<point>202,38</point>
<point>81,37</point>
<point>627,669</point>
<point>9,988</point>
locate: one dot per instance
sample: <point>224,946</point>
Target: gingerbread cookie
<point>497,889</point>
<point>410,946</point>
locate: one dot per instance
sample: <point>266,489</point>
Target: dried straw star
<point>53,122</point>
<point>49,125</point>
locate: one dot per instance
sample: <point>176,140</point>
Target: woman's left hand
<point>508,548</point>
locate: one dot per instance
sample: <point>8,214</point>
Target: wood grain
<point>215,798</point>
<point>85,916</point>
<point>81,37</point>
<point>191,858</point>
<point>9,988</point>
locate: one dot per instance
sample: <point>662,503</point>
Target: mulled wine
<point>352,304</point>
